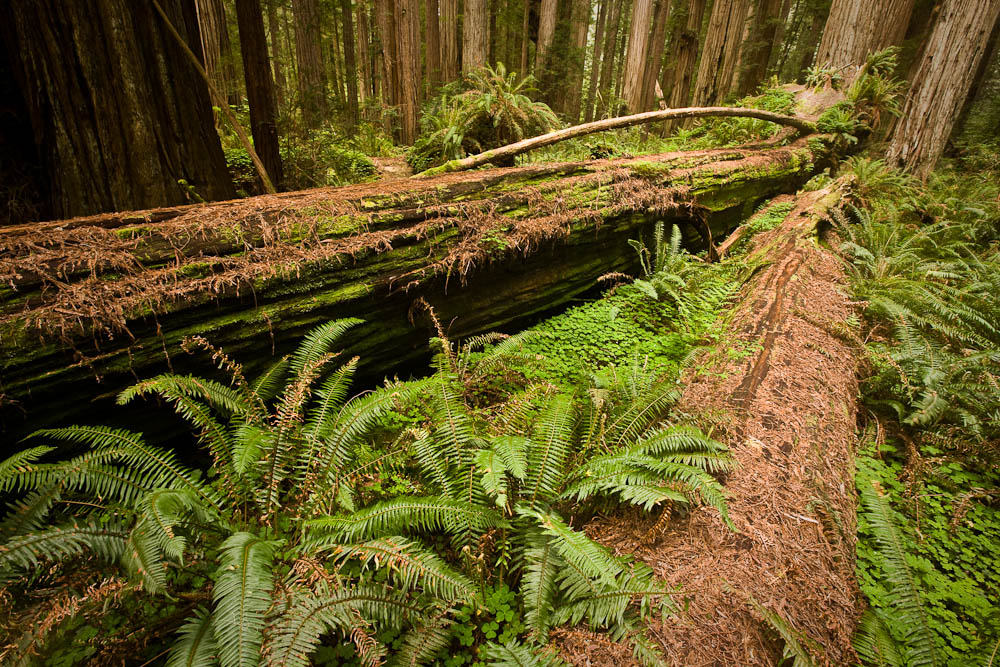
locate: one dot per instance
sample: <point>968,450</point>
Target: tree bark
<point>941,84</point>
<point>634,72</point>
<point>253,275</point>
<point>215,47</point>
<point>90,74</point>
<point>547,16</point>
<point>350,62</point>
<point>525,37</point>
<point>449,40</point>
<point>433,44</point>
<point>366,89</point>
<point>308,54</point>
<point>391,93</point>
<point>757,49</point>
<point>408,45</point>
<point>595,60</point>
<point>856,28</point>
<point>575,58</point>
<point>260,88</point>
<point>277,57</point>
<point>720,54</point>
<point>475,34</point>
<point>607,84</point>
<point>654,57</point>
<point>684,58</point>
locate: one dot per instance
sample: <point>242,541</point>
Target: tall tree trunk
<point>620,62</point>
<point>576,57</point>
<point>385,18</point>
<point>547,17</point>
<point>312,74</point>
<point>856,28</point>
<point>408,45</point>
<point>988,70</point>
<point>525,37</point>
<point>333,49</point>
<point>119,114</point>
<point>757,48</point>
<point>685,57</point>
<point>366,87</point>
<point>449,40</point>
<point>942,83</point>
<point>654,59</point>
<point>720,54</point>
<point>807,53</point>
<point>635,60</point>
<point>215,47</point>
<point>475,34</point>
<point>779,37</point>
<point>606,85</point>
<point>260,88</point>
<point>432,28</point>
<point>277,57</point>
<point>350,62</point>
<point>595,60</point>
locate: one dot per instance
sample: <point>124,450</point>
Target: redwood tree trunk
<point>856,28</point>
<point>547,15</point>
<point>277,58</point>
<point>634,72</point>
<point>757,50</point>
<point>312,75</point>
<point>118,113</point>
<point>260,88</point>
<point>433,44</point>
<point>475,34</point>
<point>578,46</point>
<point>215,47</point>
<point>717,69</point>
<point>684,55</point>
<point>385,17</point>
<point>654,57</point>
<point>350,62</point>
<point>942,83</point>
<point>595,62</point>
<point>408,45</point>
<point>606,85</point>
<point>449,40</point>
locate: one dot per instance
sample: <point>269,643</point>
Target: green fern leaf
<point>195,645</point>
<point>242,596</point>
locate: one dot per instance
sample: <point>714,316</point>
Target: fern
<point>195,645</point>
<point>242,596</point>
<point>907,611</point>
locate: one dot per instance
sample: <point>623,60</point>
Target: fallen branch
<point>512,150</point>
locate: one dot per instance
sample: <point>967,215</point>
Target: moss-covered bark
<point>111,297</point>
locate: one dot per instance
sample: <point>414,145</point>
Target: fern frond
<point>107,541</point>
<point>874,644</point>
<point>796,642</point>
<point>410,565</point>
<point>550,445</point>
<point>408,514</point>
<point>590,557</point>
<point>906,606</point>
<point>317,344</point>
<point>195,645</point>
<point>242,595</point>
<point>15,468</point>
<point>541,568</point>
<point>423,642</point>
<point>516,654</point>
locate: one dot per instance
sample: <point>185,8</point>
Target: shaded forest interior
<point>363,379</point>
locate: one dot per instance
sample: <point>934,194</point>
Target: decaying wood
<point>782,392</point>
<point>525,145</point>
<point>112,296</point>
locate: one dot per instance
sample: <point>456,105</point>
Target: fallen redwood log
<point>111,297</point>
<point>783,394</point>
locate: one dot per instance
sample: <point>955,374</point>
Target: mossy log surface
<point>110,298</point>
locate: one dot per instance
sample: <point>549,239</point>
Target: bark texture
<point>118,114</point>
<point>683,58</point>
<point>309,56</point>
<point>652,92</point>
<point>941,84</point>
<point>757,49</point>
<point>580,24</point>
<point>449,40</point>
<point>856,28</point>
<point>595,61</point>
<point>408,53</point>
<point>254,275</point>
<point>260,88</point>
<point>350,62</point>
<point>475,34</point>
<point>547,16</point>
<point>215,47</point>
<point>636,56</point>
<point>720,52</point>
<point>433,43</point>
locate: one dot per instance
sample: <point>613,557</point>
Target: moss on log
<point>111,297</point>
